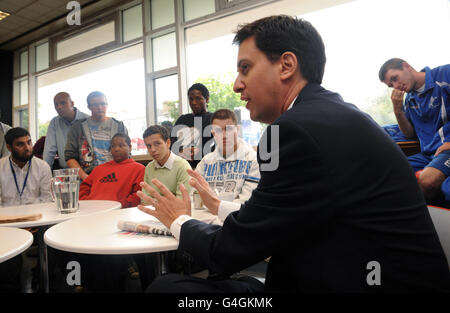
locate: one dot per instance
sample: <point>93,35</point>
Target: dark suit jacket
<point>343,195</point>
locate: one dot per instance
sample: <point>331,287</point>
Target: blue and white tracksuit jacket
<point>233,178</point>
<point>429,111</point>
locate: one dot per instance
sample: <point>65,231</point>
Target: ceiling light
<point>3,15</point>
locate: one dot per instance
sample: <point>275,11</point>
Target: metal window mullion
<point>165,30</point>
<point>148,64</point>
<point>227,11</point>
<point>146,17</point>
<point>163,73</point>
<point>33,123</point>
<point>181,58</point>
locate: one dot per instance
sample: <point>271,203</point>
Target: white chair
<point>441,221</point>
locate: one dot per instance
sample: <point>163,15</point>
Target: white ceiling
<point>32,20</point>
<point>27,15</point>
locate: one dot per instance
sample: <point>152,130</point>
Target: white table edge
<point>19,249</point>
<point>64,217</point>
<point>98,251</point>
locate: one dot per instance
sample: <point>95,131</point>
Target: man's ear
<point>289,65</point>
<point>9,148</point>
<point>168,142</point>
<point>406,66</point>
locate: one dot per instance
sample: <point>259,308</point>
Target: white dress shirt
<point>169,163</point>
<point>225,208</point>
<point>36,189</point>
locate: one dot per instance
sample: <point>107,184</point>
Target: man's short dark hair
<point>275,35</point>
<point>14,133</point>
<point>93,95</point>
<point>200,87</point>
<point>156,129</point>
<point>223,114</point>
<point>391,64</point>
<point>124,136</point>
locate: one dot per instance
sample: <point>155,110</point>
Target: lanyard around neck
<point>15,178</point>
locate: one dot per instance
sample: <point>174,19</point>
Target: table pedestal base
<point>43,261</point>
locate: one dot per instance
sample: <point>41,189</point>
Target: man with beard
<point>24,179</point>
<point>32,178</point>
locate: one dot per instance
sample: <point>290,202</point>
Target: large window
<point>119,75</point>
<point>358,35</point>
<point>167,99</point>
<point>188,41</point>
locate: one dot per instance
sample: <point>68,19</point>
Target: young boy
<point>166,166</point>
<point>170,169</point>
<point>117,179</point>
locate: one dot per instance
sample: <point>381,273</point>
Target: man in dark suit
<point>337,207</point>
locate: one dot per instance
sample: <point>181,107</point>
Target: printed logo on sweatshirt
<point>110,178</point>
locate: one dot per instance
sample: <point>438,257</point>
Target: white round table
<point>50,214</point>
<point>100,235</point>
<point>13,241</point>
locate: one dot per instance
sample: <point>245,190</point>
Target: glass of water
<point>65,189</point>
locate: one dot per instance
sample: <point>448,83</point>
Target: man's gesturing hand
<point>167,206</point>
<point>209,197</point>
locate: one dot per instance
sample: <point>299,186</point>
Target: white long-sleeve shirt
<point>37,188</point>
<point>225,208</point>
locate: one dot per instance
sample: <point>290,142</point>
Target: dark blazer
<point>343,195</point>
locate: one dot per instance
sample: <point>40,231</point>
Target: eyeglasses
<point>228,129</point>
<point>98,104</point>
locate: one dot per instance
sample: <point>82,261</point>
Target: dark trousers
<point>147,265</point>
<point>176,283</point>
<point>99,273</point>
<point>10,272</point>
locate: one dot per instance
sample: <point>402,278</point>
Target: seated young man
<point>232,169</point>
<point>423,115</point>
<point>24,179</point>
<point>117,179</point>
<point>172,170</point>
<point>166,166</point>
